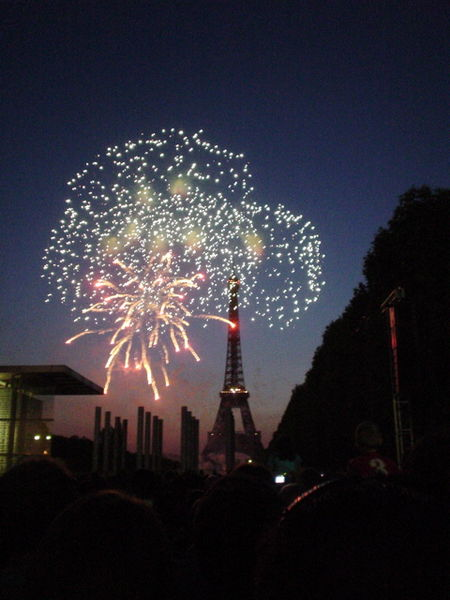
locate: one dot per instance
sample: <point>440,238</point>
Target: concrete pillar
<point>195,444</point>
<point>184,438</point>
<point>123,444</point>
<point>117,434</point>
<point>97,439</point>
<point>160,442</point>
<point>147,439</point>
<point>157,443</point>
<point>107,443</point>
<point>140,438</point>
<point>189,442</point>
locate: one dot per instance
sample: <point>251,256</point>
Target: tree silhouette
<point>349,380</point>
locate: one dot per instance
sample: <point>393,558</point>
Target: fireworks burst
<point>149,315</point>
<point>180,196</point>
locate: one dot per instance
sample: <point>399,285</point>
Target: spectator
<point>427,468</point>
<point>32,493</point>
<point>229,523</point>
<point>370,463</point>
<point>255,471</point>
<point>358,539</point>
<point>106,546</point>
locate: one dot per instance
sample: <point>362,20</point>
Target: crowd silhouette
<point>353,534</point>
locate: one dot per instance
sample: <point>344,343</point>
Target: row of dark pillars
<point>149,441</point>
<point>110,442</point>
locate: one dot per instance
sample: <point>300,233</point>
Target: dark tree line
<point>349,380</point>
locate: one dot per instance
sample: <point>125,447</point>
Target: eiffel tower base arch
<point>246,442</point>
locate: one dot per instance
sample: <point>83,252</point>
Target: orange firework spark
<point>149,318</point>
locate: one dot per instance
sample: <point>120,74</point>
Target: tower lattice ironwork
<point>234,395</point>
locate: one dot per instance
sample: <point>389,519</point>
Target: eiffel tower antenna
<point>223,439</point>
<point>233,265</point>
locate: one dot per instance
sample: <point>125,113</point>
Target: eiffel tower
<point>223,439</point>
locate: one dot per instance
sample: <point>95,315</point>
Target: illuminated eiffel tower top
<point>234,373</point>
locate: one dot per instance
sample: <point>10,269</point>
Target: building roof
<point>54,380</point>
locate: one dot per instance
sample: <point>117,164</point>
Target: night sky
<point>339,107</point>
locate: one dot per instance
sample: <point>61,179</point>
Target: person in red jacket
<point>370,463</point>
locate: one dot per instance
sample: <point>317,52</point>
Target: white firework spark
<point>176,193</point>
